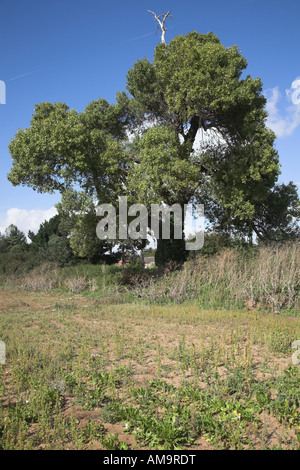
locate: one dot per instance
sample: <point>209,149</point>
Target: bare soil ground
<point>84,374</point>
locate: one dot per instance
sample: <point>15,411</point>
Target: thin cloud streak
<point>136,38</point>
<point>23,75</point>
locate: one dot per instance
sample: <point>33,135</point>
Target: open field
<point>89,372</point>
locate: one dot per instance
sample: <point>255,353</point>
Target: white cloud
<point>26,219</point>
<point>284,125</point>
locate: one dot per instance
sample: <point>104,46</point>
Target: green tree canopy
<point>197,128</point>
<point>63,147</point>
<point>195,85</point>
<point>13,239</point>
<point>78,221</point>
<point>47,228</point>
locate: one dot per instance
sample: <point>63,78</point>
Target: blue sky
<point>76,51</point>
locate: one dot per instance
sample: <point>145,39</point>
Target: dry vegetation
<point>196,358</point>
<point>269,279</point>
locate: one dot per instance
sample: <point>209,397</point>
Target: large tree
<point>205,137</point>
<point>198,133</point>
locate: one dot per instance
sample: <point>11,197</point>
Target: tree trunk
<point>170,249</point>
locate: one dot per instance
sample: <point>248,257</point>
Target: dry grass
<point>270,279</point>
<point>87,372</point>
<point>42,278</point>
<point>77,284</point>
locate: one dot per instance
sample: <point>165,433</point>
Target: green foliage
<point>170,251</point>
<point>194,85</point>
<point>62,146</point>
<point>277,217</point>
<point>58,250</point>
<point>165,172</point>
<point>51,241</point>
<point>13,240</point>
<point>214,243</point>
<point>18,263</point>
<point>46,230</point>
<point>78,222</point>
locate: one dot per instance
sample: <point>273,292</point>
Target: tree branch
<point>161,23</point>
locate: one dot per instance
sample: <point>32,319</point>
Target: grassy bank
<point>267,278</point>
